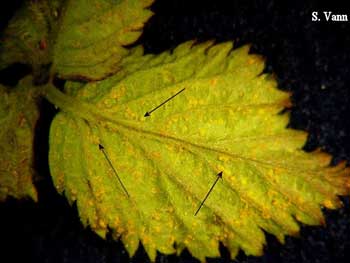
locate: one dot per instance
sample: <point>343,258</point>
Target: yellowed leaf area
<point>228,119</point>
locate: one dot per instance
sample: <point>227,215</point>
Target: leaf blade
<point>18,116</point>
<point>91,38</point>
<point>228,119</point>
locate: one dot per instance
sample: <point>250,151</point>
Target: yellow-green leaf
<point>18,116</point>
<point>228,119</point>
<point>92,35</point>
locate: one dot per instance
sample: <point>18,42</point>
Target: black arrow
<point>148,113</point>
<point>219,176</point>
<point>102,149</point>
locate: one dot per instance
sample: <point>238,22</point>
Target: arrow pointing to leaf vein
<point>148,113</point>
<point>102,149</point>
<point>219,176</point>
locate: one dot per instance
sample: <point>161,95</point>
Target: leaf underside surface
<point>18,116</point>
<point>228,119</point>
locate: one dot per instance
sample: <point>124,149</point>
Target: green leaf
<point>228,119</point>
<point>83,39</point>
<point>91,38</point>
<point>133,62</point>
<point>18,116</point>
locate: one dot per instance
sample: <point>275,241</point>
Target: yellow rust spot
<point>195,224</point>
<point>94,138</point>
<point>272,194</point>
<point>170,209</point>
<point>137,175</point>
<point>21,120</point>
<point>220,167</point>
<point>101,223</point>
<point>224,158</point>
<point>118,93</point>
<point>213,82</point>
<point>117,222</point>
<point>157,229</point>
<point>100,193</point>
<point>266,213</point>
<point>156,216</point>
<point>130,150</point>
<point>156,155</point>
<point>154,190</point>
<point>167,76</point>
<point>171,224</point>
<point>193,102</point>
<point>270,173</point>
<point>73,192</point>
<point>146,239</point>
<point>188,239</point>
<point>214,243</point>
<point>129,113</point>
<point>171,239</point>
<point>244,213</point>
<point>329,204</point>
<point>254,59</point>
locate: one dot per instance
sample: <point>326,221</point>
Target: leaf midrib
<point>95,117</point>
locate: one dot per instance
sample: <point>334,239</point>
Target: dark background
<point>311,59</point>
